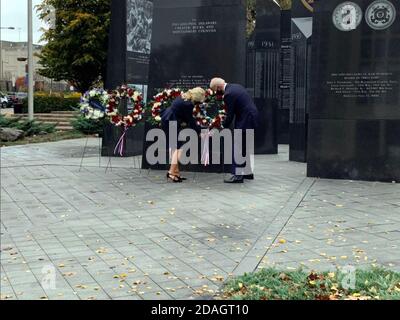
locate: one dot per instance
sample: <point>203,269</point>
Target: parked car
<point>4,103</point>
<point>11,98</point>
<point>21,96</point>
<point>16,97</point>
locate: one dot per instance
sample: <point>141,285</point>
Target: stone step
<point>62,119</point>
<point>49,116</point>
<point>64,128</point>
<point>38,118</point>
<point>55,122</point>
<point>62,123</point>
<point>65,112</point>
<point>41,119</point>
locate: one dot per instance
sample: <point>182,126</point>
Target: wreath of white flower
<point>93,104</point>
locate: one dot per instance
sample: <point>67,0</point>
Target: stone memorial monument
<point>354,125</point>
<point>301,64</point>
<point>263,74</point>
<point>193,41</point>
<point>128,63</point>
<point>285,77</point>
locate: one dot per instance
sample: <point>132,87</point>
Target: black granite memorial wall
<point>116,55</point>
<point>128,63</point>
<point>263,74</point>
<point>193,41</point>
<point>285,77</point>
<point>354,127</point>
<point>300,70</point>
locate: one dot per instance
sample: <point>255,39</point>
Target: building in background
<point>13,71</point>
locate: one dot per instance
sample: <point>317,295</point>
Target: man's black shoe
<point>234,179</point>
<point>249,177</point>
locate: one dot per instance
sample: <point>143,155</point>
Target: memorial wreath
<point>160,102</point>
<point>212,113</point>
<point>134,100</point>
<point>93,104</point>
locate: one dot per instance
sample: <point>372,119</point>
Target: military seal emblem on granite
<point>380,15</point>
<point>347,16</point>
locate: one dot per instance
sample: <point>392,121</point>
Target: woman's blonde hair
<point>195,95</point>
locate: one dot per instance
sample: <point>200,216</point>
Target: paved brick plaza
<point>127,234</point>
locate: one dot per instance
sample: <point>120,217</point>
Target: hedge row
<point>48,104</point>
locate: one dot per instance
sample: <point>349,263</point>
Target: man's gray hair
<point>216,83</point>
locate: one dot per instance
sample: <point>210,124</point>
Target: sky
<point>14,13</point>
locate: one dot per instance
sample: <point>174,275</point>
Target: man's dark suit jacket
<point>241,107</point>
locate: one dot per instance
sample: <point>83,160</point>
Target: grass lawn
<point>270,284</point>
<point>51,137</point>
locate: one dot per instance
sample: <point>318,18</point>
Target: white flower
<point>97,114</point>
<point>157,105</point>
<point>136,96</point>
<point>158,119</point>
<point>92,93</point>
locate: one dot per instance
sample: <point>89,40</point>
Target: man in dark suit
<point>242,109</point>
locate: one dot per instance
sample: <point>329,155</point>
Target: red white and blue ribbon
<point>120,147</point>
<point>205,157</point>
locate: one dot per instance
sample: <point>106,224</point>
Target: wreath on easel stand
<point>136,109</point>
<point>93,104</point>
<point>212,113</point>
<point>98,104</point>
<point>160,102</point>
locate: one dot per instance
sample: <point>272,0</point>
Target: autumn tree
<point>76,49</point>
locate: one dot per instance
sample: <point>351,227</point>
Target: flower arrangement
<point>210,114</point>
<point>160,102</point>
<point>93,104</point>
<point>135,106</point>
<point>213,112</point>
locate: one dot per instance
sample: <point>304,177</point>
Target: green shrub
<point>6,122</point>
<point>88,126</point>
<point>47,104</point>
<point>31,128</point>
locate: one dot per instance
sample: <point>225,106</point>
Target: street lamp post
<point>30,63</point>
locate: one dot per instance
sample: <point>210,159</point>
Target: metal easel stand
<point>83,154</point>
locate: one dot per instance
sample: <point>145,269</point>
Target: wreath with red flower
<point>135,104</point>
<point>160,102</point>
<point>212,113</point>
